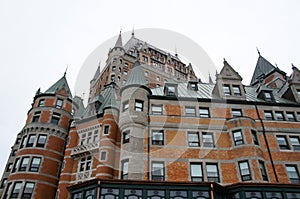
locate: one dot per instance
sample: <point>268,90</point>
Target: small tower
<point>133,122</point>
<point>34,165</point>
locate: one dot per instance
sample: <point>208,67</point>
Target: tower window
<point>103,155</point>
<point>125,105</point>
<point>36,116</point>
<point>28,190</point>
<point>35,164</point>
<point>126,137</point>
<point>139,105</point>
<point>55,118</point>
<point>3,183</point>
<point>244,171</point>
<point>41,141</point>
<point>16,190</point>
<point>41,102</point>
<point>9,167</point>
<point>31,140</point>
<point>238,138</point>
<point>24,139</point>
<point>196,172</point>
<point>85,164</point>
<point>158,171</point>
<point>106,130</point>
<point>124,169</point>
<point>59,103</point>
<point>16,165</point>
<point>24,163</point>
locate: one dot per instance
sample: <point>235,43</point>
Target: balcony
<point>82,150</point>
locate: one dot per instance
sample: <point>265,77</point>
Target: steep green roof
<point>136,76</point>
<point>263,67</point>
<point>110,99</point>
<point>60,84</point>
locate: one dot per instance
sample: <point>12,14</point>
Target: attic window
<point>226,89</point>
<point>236,90</point>
<point>193,86</point>
<point>170,90</point>
<point>268,96</point>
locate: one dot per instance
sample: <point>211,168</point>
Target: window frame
<point>268,117</point>
<point>285,146</point>
<point>234,87</point>
<point>28,194</point>
<point>59,103</point>
<point>159,110</point>
<point>24,163</point>
<point>192,142</point>
<point>226,90</point>
<point>161,169</point>
<point>280,114</point>
<point>14,193</point>
<point>42,144</point>
<point>236,110</point>
<point>296,147</point>
<point>30,142</point>
<point>296,172</point>
<point>263,170</point>
<point>125,105</point>
<point>196,178</point>
<point>126,137</point>
<point>157,142</point>
<point>204,115</point>
<point>124,169</point>
<point>139,105</point>
<point>55,118</point>
<point>212,178</point>
<point>254,137</point>
<point>237,141</point>
<point>36,167</point>
<point>41,103</point>
<point>208,144</point>
<point>247,176</point>
<point>106,130</point>
<point>192,113</point>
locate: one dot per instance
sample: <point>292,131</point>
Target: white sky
<point>38,39</point>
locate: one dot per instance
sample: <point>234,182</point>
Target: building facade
<point>156,132</point>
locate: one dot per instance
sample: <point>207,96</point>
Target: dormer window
<point>193,86</point>
<point>226,89</point>
<point>236,90</point>
<point>268,96</point>
<point>298,93</point>
<point>170,90</point>
<point>41,102</point>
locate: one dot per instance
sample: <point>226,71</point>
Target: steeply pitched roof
<point>263,67</point>
<point>110,99</point>
<point>59,85</point>
<point>119,41</point>
<point>136,76</point>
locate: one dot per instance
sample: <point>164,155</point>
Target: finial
<point>132,33</point>
<point>176,51</point>
<point>120,29</point>
<point>258,51</point>
<point>293,66</point>
<point>66,71</point>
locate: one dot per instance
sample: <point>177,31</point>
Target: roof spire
<point>258,51</point>
<point>66,71</point>
<point>210,79</point>
<point>176,51</point>
<point>132,33</point>
<point>119,40</point>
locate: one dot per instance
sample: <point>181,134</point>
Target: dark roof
<point>61,83</point>
<point>119,41</point>
<point>136,76</point>
<point>263,67</point>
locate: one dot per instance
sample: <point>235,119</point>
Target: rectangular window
<point>28,190</point>
<point>196,172</point>
<point>158,172</point>
<point>157,109</point>
<point>268,96</point>
<point>269,115</point>
<point>298,93</point>
<point>59,103</point>
<point>279,115</point>
<point>226,89</point>
<point>290,116</point>
<point>85,164</point>
<point>3,183</point>
<point>293,173</point>
<point>238,138</point>
<point>55,118</point>
<point>9,167</point>
<point>96,136</point>
<point>125,105</point>
<point>35,164</point>
<point>113,68</point>
<point>18,140</point>
<point>125,72</point>
<point>103,155</point>
<point>212,172</point>
<point>171,91</point>
<point>254,137</point>
<point>23,141</point>
<point>208,139</point>
<point>193,139</point>
<point>244,171</point>
<point>295,143</point>
<point>14,152</point>
<point>157,137</point>
<point>263,170</point>
<point>236,112</point>
<point>83,139</point>
<point>41,102</point>
<point>36,116</point>
<point>126,65</point>
<point>41,141</point>
<point>138,105</point>
<point>16,165</point>
<point>124,171</point>
<point>282,142</point>
<point>31,140</point>
<point>16,190</point>
<point>190,111</point>
<point>106,130</point>
<point>204,112</point>
<point>24,163</point>
<point>126,137</point>
<point>236,90</point>
<point>7,191</point>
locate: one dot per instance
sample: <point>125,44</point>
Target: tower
<point>33,167</point>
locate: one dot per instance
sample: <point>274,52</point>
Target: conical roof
<point>119,41</point>
<point>136,76</point>
<point>59,85</point>
<point>109,98</point>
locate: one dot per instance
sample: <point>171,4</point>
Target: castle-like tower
<point>155,138</point>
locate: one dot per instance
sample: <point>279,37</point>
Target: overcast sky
<point>39,39</point>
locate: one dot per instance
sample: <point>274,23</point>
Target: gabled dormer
<point>265,93</point>
<point>293,86</point>
<point>171,88</point>
<point>192,85</point>
<point>229,84</point>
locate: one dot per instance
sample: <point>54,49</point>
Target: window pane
<point>16,190</point>
<point>24,164</point>
<point>28,190</point>
<point>236,90</point>
<point>193,139</point>
<point>31,140</point>
<point>204,112</point>
<point>226,90</point>
<point>41,141</point>
<point>208,140</point>
<point>35,164</point>
<point>190,111</point>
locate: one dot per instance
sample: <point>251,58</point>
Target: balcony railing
<point>85,149</point>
